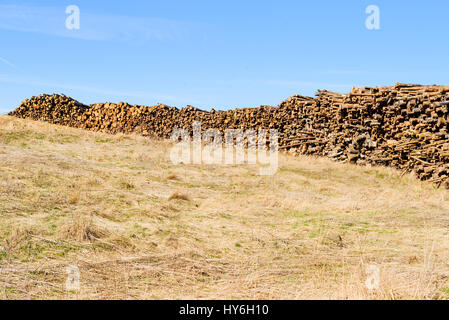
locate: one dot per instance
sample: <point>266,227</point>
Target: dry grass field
<point>139,227</point>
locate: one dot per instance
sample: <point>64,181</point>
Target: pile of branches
<point>404,126</point>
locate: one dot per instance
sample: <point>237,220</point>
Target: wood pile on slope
<point>404,126</point>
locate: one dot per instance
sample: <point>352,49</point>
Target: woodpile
<point>404,126</point>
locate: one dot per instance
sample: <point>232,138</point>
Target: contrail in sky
<point>7,62</point>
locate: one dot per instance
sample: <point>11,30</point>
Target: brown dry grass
<point>179,196</point>
<point>101,202</point>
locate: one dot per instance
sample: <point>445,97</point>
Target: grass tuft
<point>179,196</point>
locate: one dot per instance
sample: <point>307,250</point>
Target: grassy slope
<point>103,203</point>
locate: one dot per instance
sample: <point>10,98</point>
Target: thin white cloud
<point>8,63</point>
<point>51,21</point>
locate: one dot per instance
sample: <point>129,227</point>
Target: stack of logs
<point>404,126</point>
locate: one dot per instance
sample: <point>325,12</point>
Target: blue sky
<point>220,54</point>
